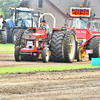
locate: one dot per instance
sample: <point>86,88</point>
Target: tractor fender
<point>9,23</point>
<point>91,37</point>
<point>17,28</point>
<point>86,42</point>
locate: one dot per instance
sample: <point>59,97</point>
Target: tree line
<point>4,7</point>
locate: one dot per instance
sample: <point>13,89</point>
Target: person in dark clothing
<point>73,29</point>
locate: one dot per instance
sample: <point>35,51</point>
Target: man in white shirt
<point>45,27</point>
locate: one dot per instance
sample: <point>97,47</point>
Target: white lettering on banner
<point>80,31</point>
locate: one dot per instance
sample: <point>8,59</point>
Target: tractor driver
<point>45,27</point>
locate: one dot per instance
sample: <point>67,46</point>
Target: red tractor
<point>87,31</point>
<point>32,43</point>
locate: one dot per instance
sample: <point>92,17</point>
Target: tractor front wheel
<point>45,55</point>
<point>17,54</point>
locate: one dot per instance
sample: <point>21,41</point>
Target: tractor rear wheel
<point>45,55</point>
<point>4,37</point>
<point>14,35</point>
<point>94,44</point>
<point>17,54</point>
<point>19,37</point>
<point>53,46</point>
<point>69,46</point>
<point>57,46</point>
<point>60,46</point>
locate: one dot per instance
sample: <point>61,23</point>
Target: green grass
<point>6,48</point>
<point>38,69</point>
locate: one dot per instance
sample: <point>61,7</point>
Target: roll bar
<point>48,14</point>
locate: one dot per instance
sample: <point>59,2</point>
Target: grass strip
<point>14,70</point>
<point>6,48</point>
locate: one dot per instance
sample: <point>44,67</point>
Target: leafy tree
<point>5,4</point>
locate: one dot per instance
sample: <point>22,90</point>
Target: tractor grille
<point>30,44</point>
<point>33,41</point>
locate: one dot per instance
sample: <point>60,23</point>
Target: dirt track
<point>7,60</point>
<point>68,85</point>
<point>84,85</point>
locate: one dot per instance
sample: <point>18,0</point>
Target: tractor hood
<point>40,34</point>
